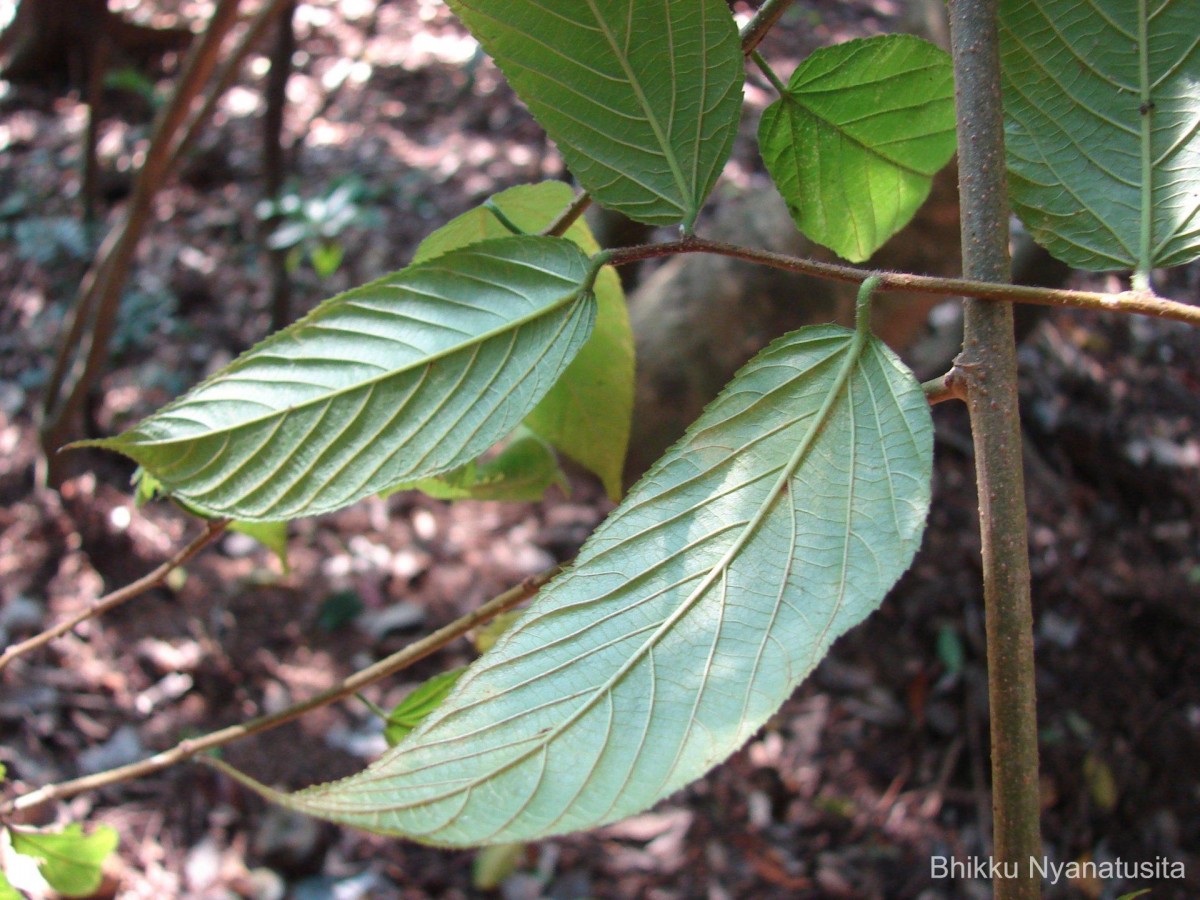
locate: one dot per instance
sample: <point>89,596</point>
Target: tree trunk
<point>54,39</point>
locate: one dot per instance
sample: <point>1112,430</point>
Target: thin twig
<point>945,387</point>
<point>1139,302</point>
<point>225,77</point>
<point>570,215</point>
<point>186,749</point>
<point>212,530</point>
<point>83,348</point>
<point>763,21</point>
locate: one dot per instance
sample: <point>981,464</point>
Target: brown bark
<point>56,39</point>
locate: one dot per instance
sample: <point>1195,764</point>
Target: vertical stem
<point>989,367</point>
<point>275,161</point>
<point>83,349</point>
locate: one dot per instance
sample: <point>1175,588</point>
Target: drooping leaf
<point>779,521</point>
<point>272,535</point>
<point>71,861</point>
<point>406,377</point>
<point>642,99</point>
<point>587,413</point>
<point>521,472</point>
<point>855,142</point>
<point>1102,128</point>
<point>409,712</point>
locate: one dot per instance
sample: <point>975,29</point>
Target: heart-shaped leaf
<point>1102,129</point>
<point>409,376</point>
<point>642,99</point>
<point>779,521</point>
<point>855,141</point>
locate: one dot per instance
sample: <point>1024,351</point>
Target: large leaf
<point>779,521</point>
<point>854,143</point>
<point>71,861</point>
<point>1102,106</point>
<point>403,378</point>
<point>587,413</point>
<point>642,99</point>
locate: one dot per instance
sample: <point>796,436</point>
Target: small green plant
<point>313,229</point>
<point>790,508</point>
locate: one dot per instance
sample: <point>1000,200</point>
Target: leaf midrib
<point>512,325</point>
<point>651,119</point>
<point>854,351</point>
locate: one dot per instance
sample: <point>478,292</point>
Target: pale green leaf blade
<point>778,522</point>
<point>1102,128</point>
<point>7,891</point>
<point>410,711</point>
<point>521,472</point>
<point>642,99</point>
<point>272,535</point>
<point>406,377</point>
<point>855,142</point>
<point>587,414</point>
<point>71,861</point>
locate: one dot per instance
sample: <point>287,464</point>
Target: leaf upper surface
<point>1102,128</point>
<point>642,98</point>
<point>779,521</point>
<point>855,142</point>
<point>406,377</point>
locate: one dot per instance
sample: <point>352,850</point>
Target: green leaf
<point>272,535</point>
<point>409,376</point>
<point>521,472</point>
<point>71,861</point>
<point>1101,132</point>
<point>7,891</point>
<point>643,99</point>
<point>409,713</point>
<point>587,413</point>
<point>493,865</point>
<point>855,142</point>
<point>487,635</point>
<point>779,521</point>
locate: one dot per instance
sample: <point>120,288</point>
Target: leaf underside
<point>71,861</point>
<point>642,99</point>
<point>778,522</point>
<point>406,377</point>
<point>1102,128</point>
<point>586,415</point>
<point>855,142</point>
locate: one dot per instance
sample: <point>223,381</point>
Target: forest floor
<point>877,764</point>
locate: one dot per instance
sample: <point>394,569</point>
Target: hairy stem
<point>769,73</point>
<point>763,21</point>
<point>989,367</point>
<point>212,530</point>
<point>389,666</point>
<point>1139,302</point>
<point>570,215</point>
